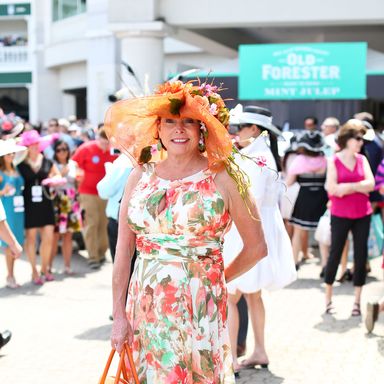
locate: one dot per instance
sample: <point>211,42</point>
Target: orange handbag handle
<point>131,364</point>
<point>122,369</point>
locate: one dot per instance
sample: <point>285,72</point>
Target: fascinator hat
<point>312,141</point>
<point>10,125</point>
<point>132,124</point>
<point>32,137</point>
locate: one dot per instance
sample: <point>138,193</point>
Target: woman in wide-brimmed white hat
<point>257,138</point>
<point>11,194</point>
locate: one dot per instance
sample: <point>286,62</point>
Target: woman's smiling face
<point>180,136</point>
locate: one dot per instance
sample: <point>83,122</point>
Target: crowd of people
<point>203,224</point>
<point>343,164</point>
<point>13,40</point>
<point>48,185</point>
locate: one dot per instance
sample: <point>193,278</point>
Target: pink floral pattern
<point>177,301</point>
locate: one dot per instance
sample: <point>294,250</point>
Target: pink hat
<point>33,137</point>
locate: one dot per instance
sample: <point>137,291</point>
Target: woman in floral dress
<point>176,212</point>
<point>66,205</point>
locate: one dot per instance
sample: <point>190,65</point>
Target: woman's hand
<point>8,190</point>
<point>16,249</point>
<point>343,189</point>
<point>121,332</point>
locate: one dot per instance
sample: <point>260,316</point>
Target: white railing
<point>13,56</point>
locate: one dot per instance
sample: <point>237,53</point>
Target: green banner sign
<point>17,9</point>
<point>302,71</point>
<point>15,77</point>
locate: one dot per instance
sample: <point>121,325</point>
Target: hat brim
<point>12,149</point>
<point>270,127</point>
<point>310,148</point>
<point>11,134</point>
<point>132,124</point>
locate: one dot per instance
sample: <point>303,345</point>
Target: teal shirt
<point>13,205</point>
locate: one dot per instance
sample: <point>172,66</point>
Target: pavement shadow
<point>333,325</point>
<point>304,283</point>
<point>28,289</point>
<point>98,333</point>
<point>380,346</point>
<point>345,288</point>
<point>380,341</point>
<point>258,375</point>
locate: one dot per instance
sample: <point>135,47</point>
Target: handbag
<point>323,230</point>
<point>121,370</point>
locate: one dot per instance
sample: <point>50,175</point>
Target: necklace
<point>35,164</point>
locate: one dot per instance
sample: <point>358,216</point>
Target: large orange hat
<point>132,124</point>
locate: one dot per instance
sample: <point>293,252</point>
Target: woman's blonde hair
<point>351,129</point>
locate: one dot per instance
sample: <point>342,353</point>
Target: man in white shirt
<point>329,128</point>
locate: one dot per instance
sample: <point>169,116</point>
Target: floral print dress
<point>177,302</point>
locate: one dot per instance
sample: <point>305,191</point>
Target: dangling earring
<point>203,135</point>
<point>159,145</point>
<point>201,142</point>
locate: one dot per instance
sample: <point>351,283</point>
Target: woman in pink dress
<point>349,181</point>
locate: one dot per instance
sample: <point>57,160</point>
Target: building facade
<point>63,57</point>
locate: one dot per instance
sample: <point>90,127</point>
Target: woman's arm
<point>7,236</point>
<point>365,186</point>
<point>368,184</point>
<point>71,173</point>
<point>114,179</point>
<point>250,229</point>
<point>54,171</point>
<point>126,242</point>
<point>290,179</point>
<point>331,179</point>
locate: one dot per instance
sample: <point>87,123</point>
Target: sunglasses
<point>245,125</point>
<point>61,150</point>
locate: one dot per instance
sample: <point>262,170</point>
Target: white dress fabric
<point>277,269</point>
<point>289,194</point>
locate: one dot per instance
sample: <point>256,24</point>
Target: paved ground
<point>61,331</point>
